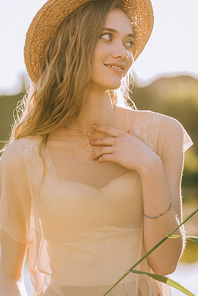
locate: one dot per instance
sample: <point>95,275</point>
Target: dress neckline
<point>95,188</point>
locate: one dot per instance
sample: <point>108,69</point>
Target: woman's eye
<point>107,36</point>
<point>129,43</point>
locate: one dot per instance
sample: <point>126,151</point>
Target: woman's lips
<point>119,68</point>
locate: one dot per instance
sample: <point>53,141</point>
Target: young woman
<point>86,186</point>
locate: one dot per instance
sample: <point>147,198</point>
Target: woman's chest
<point>67,207</point>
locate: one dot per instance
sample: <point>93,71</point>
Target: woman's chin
<point>114,85</point>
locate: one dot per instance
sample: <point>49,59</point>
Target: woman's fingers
<point>103,142</point>
<point>120,147</point>
<point>106,158</point>
<point>102,151</point>
<point>109,130</point>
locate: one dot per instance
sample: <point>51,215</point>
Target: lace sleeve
<point>172,136</point>
<point>156,131</point>
<point>146,128</point>
<point>15,197</point>
<point>35,165</point>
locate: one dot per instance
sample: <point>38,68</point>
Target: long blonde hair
<point>56,98</point>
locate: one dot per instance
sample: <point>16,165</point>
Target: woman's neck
<point>97,109</point>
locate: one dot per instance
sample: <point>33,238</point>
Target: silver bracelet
<point>155,217</point>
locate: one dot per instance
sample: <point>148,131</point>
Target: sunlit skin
<point>113,53</point>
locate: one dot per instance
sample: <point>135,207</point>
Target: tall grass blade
<point>194,239</point>
<point>165,280</point>
<point>175,236</point>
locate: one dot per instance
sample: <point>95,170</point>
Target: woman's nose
<point>120,51</point>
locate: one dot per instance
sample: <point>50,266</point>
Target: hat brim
<point>48,19</point>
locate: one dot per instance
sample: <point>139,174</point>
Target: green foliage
<point>7,107</point>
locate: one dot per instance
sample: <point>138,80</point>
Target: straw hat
<point>51,15</point>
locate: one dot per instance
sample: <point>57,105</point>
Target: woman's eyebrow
<point>115,31</point>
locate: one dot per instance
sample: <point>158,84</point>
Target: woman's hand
<point>123,148</point>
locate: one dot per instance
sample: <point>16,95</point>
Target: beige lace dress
<point>82,235</point>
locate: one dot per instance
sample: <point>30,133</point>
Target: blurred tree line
<point>176,97</point>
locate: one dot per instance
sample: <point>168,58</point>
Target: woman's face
<point>113,53</point>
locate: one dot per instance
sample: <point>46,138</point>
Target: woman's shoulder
<point>153,127</point>
<point>15,153</point>
<point>162,121</point>
<point>148,117</point>
<point>160,126</point>
<point>165,128</point>
<point>30,142</point>
<point>23,155</point>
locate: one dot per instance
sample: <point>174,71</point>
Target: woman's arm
<point>15,209</point>
<point>164,181</point>
<point>156,197</point>
<point>160,183</point>
<point>11,265</point>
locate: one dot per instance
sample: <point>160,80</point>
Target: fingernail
<point>95,126</point>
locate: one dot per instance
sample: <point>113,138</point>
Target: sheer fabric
<point>84,230</point>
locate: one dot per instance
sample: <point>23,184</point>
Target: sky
<point>172,49</point>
